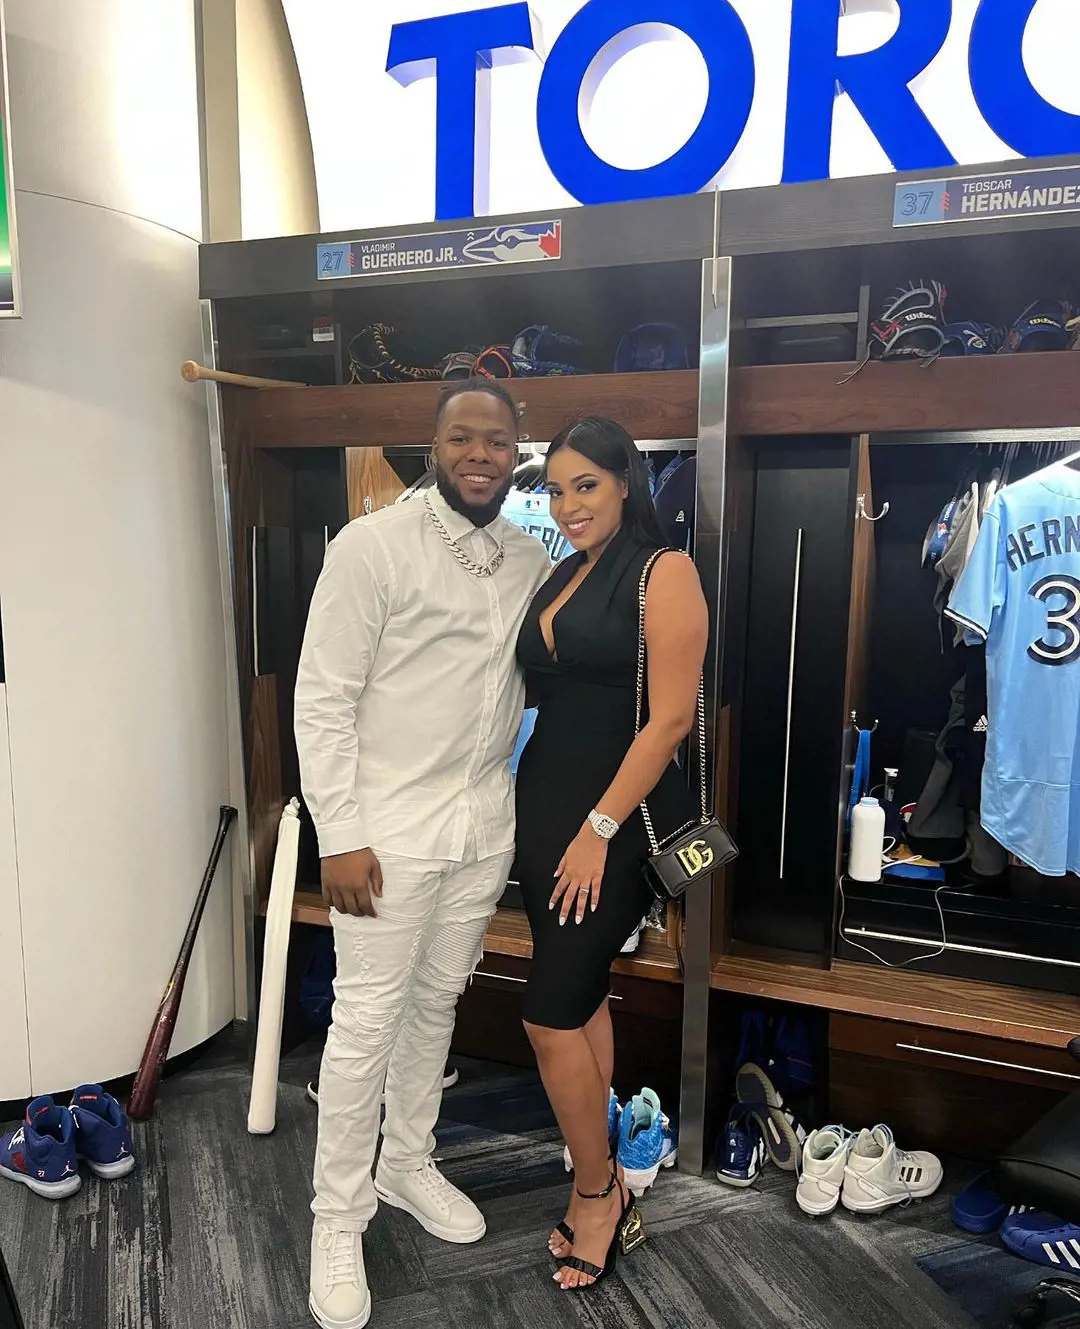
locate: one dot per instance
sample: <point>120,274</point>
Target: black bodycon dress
<point>586,699</point>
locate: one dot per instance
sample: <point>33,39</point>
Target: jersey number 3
<point>1061,621</point>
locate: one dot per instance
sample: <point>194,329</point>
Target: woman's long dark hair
<point>609,446</point>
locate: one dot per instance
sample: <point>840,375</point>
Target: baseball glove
<point>912,324</point>
<point>370,360</point>
<point>1043,326</point>
<point>458,364</point>
<point>972,339</point>
<point>534,350</point>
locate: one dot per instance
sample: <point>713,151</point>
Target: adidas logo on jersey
<point>980,726</point>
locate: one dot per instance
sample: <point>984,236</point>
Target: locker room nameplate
<point>985,197</point>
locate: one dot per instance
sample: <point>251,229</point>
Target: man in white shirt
<point>408,703</point>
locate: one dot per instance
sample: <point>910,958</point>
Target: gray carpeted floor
<point>989,1283</point>
<point>213,1228</point>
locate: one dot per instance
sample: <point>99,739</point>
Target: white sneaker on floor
<point>878,1175</point>
<point>339,1296</point>
<point>824,1161</point>
<point>439,1207</point>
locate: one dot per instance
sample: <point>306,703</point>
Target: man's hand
<point>351,882</point>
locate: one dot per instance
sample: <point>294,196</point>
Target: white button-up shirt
<point>408,695</point>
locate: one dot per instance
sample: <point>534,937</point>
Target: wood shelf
<point>1044,1019</point>
<point>308,907</point>
<point>509,935</point>
<point>1040,391</point>
<point>390,414</point>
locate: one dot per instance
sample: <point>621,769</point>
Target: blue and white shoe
<point>41,1153</point>
<point>614,1111</point>
<point>646,1142</point>
<point>1043,1239</point>
<point>102,1132</point>
<point>979,1209</point>
<point>740,1152</point>
<point>784,1135</point>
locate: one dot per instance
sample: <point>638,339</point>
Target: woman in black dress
<point>581,838</point>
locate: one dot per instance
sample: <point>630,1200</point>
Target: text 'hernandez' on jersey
<point>1020,592</point>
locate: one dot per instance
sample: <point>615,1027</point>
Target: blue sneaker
<point>646,1143</point>
<point>979,1209</point>
<point>784,1135</point>
<point>102,1132</point>
<point>1043,1239</point>
<point>41,1153</point>
<point>740,1152</point>
<point>614,1111</point>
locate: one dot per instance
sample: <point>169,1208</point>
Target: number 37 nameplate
<point>970,198</point>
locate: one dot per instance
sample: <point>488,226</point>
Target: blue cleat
<point>646,1142</point>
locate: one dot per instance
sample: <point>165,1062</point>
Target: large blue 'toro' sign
<point>455,47</point>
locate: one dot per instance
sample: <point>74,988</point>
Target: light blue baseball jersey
<point>1020,592</point>
<point>532,513</point>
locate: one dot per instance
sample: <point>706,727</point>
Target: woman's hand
<point>580,873</point>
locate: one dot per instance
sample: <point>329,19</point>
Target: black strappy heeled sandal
<point>567,1232</point>
<point>628,1236</point>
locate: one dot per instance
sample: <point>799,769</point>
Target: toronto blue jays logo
<point>522,243</point>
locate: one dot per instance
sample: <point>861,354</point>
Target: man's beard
<point>480,514</point>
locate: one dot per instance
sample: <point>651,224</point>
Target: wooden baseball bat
<point>144,1090</point>
<point>193,372</point>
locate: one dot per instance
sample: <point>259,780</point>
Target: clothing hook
<point>860,509</point>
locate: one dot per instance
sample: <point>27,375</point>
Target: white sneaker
<point>339,1297</point>
<point>878,1175</point>
<point>437,1206</point>
<point>824,1159</point>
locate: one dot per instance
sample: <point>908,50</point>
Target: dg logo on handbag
<point>695,857</point>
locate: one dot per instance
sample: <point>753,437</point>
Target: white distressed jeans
<point>399,977</point>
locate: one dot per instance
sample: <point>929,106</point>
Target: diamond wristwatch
<point>605,827</point>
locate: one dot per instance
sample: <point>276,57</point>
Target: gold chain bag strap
<point>700,846</point>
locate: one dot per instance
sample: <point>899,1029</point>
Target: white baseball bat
<point>262,1110</point>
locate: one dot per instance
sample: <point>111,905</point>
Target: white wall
<point>14,1040</point>
<point>109,584</point>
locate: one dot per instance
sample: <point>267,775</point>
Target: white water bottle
<point>867,840</point>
